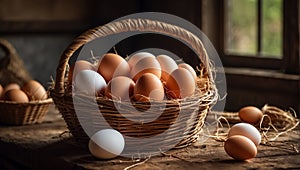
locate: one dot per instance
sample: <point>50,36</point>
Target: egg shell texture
<point>240,147</point>
<point>247,130</point>
<point>120,88</point>
<point>77,67</point>
<point>106,144</point>
<point>16,95</point>
<point>112,65</point>
<point>148,86</point>
<point>189,68</point>
<point>34,90</point>
<point>146,65</point>
<point>167,64</point>
<point>133,59</point>
<point>180,84</point>
<point>250,114</point>
<point>1,91</point>
<point>89,82</point>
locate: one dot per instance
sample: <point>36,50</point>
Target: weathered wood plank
<point>46,146</point>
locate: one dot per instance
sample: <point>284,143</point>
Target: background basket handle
<point>129,25</point>
<point>12,68</point>
<point>7,47</point>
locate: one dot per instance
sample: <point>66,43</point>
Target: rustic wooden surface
<point>46,146</point>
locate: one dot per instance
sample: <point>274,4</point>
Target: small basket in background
<point>12,70</point>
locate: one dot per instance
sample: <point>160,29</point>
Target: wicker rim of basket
<point>130,25</point>
<point>33,102</point>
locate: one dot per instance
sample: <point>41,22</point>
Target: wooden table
<point>46,146</point>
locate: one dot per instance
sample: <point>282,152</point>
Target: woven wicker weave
<point>193,110</point>
<point>12,70</point>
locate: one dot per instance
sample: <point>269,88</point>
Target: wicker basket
<point>12,70</point>
<point>193,110</point>
<point>13,113</point>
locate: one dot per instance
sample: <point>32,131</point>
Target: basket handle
<point>7,47</point>
<point>141,25</point>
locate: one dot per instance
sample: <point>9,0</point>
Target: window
<point>254,28</point>
<point>260,34</point>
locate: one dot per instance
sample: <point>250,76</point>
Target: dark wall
<point>41,30</point>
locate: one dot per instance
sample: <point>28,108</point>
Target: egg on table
<point>180,84</point>
<point>240,147</point>
<point>106,144</point>
<point>250,114</point>
<point>113,65</point>
<point>167,64</point>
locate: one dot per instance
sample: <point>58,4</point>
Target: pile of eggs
<point>243,138</point>
<point>143,77</point>
<point>29,91</point>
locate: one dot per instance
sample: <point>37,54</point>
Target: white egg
<point>106,144</point>
<point>89,82</point>
<point>167,64</point>
<point>137,57</point>
<point>247,130</point>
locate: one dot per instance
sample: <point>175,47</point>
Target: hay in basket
<point>189,113</point>
<point>12,70</point>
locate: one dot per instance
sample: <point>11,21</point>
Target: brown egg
<point>11,86</point>
<point>16,95</point>
<point>250,114</point>
<point>167,64</point>
<point>247,130</point>
<point>120,88</point>
<point>112,65</point>
<point>146,65</point>
<point>79,66</point>
<point>189,68</point>
<point>1,90</point>
<point>137,57</point>
<point>180,84</point>
<point>34,90</point>
<point>240,147</point>
<point>148,87</point>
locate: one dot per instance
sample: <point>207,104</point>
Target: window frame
<point>290,54</point>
